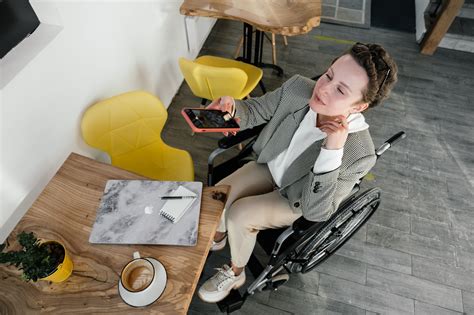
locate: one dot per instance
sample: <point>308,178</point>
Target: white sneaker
<point>218,286</point>
<point>218,245</point>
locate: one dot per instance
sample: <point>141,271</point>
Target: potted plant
<point>39,260</point>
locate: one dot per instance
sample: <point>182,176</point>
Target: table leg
<point>257,58</point>
<point>258,50</point>
<point>247,52</point>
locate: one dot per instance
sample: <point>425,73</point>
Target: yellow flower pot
<point>63,270</point>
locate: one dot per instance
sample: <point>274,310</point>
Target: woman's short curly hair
<point>381,70</point>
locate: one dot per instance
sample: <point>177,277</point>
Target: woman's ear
<point>359,107</point>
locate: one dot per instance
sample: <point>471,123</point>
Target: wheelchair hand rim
<point>359,212</point>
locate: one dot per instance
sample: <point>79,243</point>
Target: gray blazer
<point>316,196</point>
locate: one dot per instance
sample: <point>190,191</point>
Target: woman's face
<point>339,90</point>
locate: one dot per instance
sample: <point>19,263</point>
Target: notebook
<point>129,213</point>
<point>173,209</point>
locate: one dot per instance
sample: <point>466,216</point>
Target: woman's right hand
<point>225,104</point>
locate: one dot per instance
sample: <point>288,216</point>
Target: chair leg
<point>274,56</point>
<point>285,41</point>
<point>262,86</point>
<point>239,46</point>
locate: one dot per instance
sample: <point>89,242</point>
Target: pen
<point>178,197</point>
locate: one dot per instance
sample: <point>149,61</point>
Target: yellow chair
<point>128,127</point>
<point>211,77</point>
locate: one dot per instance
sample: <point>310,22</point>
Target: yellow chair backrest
<point>211,82</point>
<point>128,127</point>
<point>124,123</point>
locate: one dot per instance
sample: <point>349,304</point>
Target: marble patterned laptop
<point>129,213</point>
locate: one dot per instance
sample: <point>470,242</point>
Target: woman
<point>314,148</point>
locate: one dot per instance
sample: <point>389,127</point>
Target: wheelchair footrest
<point>232,302</point>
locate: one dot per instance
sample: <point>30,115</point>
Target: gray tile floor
<point>416,254</point>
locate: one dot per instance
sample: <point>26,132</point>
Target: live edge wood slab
<point>276,16</point>
<point>66,211</point>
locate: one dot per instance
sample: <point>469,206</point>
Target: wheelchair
<point>304,245</point>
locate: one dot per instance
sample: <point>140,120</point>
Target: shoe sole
<point>235,287</point>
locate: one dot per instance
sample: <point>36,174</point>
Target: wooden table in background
<point>66,211</point>
<point>275,16</point>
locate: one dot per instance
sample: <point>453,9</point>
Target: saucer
<point>152,293</point>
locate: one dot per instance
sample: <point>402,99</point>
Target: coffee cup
<point>138,274</point>
<point>142,281</point>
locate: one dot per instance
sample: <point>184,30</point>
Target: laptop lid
<point>129,213</point>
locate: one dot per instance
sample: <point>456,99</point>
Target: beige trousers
<point>253,204</point>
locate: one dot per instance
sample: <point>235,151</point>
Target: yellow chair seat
<point>128,127</point>
<point>211,77</point>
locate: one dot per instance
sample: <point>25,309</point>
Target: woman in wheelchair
<point>313,150</point>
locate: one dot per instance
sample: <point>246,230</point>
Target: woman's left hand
<point>337,131</point>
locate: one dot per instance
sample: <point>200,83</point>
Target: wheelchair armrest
<point>390,142</point>
<point>301,225</point>
<point>228,142</point>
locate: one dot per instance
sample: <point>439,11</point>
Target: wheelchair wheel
<point>338,230</point>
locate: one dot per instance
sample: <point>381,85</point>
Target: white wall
<point>103,49</point>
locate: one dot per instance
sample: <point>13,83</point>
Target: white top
<point>306,134</point>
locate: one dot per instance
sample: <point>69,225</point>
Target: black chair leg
<point>262,86</point>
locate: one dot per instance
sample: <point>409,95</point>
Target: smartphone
<point>209,120</point>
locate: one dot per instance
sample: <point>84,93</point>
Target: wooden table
<point>276,16</point>
<point>66,211</point>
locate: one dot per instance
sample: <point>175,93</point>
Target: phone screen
<point>210,118</point>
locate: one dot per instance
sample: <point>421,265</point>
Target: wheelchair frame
<point>309,248</point>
